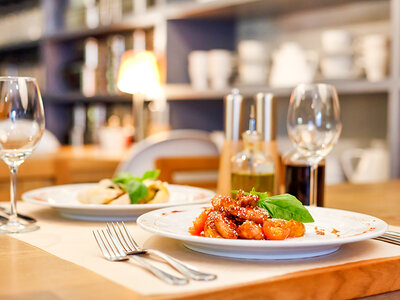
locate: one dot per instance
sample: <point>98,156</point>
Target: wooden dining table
<point>28,272</point>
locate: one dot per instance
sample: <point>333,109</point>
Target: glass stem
<point>13,193</point>
<point>313,183</point>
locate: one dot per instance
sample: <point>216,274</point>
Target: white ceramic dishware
<point>338,66</point>
<point>375,56</point>
<point>113,139</point>
<point>292,65</point>
<point>336,41</point>
<point>339,227</point>
<point>197,68</point>
<point>64,199</point>
<point>220,68</point>
<point>253,73</point>
<point>252,51</point>
<point>366,165</point>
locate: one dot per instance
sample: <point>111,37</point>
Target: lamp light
<point>138,75</point>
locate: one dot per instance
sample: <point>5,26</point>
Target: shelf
<point>73,97</point>
<point>130,23</point>
<point>244,8</point>
<point>23,45</point>
<point>347,87</point>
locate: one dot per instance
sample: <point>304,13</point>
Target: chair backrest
<point>176,143</point>
<point>200,171</point>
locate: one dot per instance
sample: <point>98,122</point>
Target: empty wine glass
<point>314,125</point>
<point>21,127</point>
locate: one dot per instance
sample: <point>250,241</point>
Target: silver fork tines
<point>132,248</point>
<point>122,242</point>
<point>106,248</point>
<point>113,251</point>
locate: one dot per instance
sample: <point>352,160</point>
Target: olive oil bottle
<point>252,168</point>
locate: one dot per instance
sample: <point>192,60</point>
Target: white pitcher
<point>292,65</point>
<point>373,165</point>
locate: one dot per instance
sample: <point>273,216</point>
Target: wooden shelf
<point>244,8</point>
<point>347,87</point>
<point>130,23</point>
<point>72,97</point>
<point>23,45</point>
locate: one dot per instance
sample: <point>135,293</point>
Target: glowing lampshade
<point>138,73</point>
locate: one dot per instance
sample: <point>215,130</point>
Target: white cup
<point>336,41</point>
<point>253,51</point>
<point>375,56</point>
<point>337,66</point>
<point>376,67</point>
<point>112,139</point>
<point>220,67</point>
<point>253,73</point>
<point>197,67</point>
<point>373,41</point>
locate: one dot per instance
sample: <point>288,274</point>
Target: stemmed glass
<point>314,125</point>
<point>21,127</point>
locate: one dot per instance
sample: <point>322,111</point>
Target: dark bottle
<point>297,178</point>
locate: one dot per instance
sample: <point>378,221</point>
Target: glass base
<point>17,227</point>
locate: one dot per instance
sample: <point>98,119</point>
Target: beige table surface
<point>29,272</point>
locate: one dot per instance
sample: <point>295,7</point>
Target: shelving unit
<point>182,26</point>
<point>78,97</point>
<point>175,92</point>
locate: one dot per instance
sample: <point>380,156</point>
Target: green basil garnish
<point>283,206</point>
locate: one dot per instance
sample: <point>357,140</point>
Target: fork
<point>131,248</point>
<point>113,251</point>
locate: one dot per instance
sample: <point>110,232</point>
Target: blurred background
<point>203,49</point>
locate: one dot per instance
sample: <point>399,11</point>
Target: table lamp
<point>138,75</point>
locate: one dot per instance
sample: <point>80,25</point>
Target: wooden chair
<point>193,165</point>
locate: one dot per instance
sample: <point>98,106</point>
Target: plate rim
<point>292,243</point>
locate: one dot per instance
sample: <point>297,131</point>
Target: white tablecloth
<point>73,241</point>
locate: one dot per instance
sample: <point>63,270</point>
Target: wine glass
<point>314,125</point>
<point>21,127</point>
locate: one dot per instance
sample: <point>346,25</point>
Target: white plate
<point>352,227</point>
<point>64,199</point>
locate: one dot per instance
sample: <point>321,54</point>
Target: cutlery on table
<point>21,216</point>
<point>390,237</point>
<point>130,247</point>
<point>113,251</point>
<point>394,233</point>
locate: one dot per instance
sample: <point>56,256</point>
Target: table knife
<point>24,217</point>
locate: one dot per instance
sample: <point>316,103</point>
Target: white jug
<point>373,165</point>
<point>292,65</point>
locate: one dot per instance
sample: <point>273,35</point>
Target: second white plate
<point>64,199</point>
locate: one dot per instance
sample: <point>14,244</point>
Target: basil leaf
<point>136,191</point>
<point>151,175</point>
<point>286,207</point>
<point>124,178</point>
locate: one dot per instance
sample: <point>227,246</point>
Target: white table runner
<point>73,241</point>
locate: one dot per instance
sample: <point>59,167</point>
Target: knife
<point>388,239</point>
<point>24,217</point>
<point>396,234</point>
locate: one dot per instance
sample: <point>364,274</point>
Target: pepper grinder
<point>234,126</point>
<point>266,125</point>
